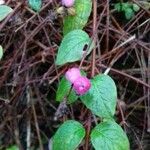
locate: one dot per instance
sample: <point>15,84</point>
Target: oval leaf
<point>68,136</point>
<point>35,4</point>
<point>118,7</point>
<point>102,96</point>
<point>63,90</point>
<point>78,21</point>
<point>1,52</point>
<point>4,11</point>
<point>109,135</point>
<point>136,8</point>
<point>71,48</point>
<point>14,147</point>
<point>129,13</point>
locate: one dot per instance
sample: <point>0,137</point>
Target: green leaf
<point>109,135</point>
<point>4,11</point>
<point>14,147</point>
<point>136,7</point>
<point>129,13</point>
<point>83,10</point>
<point>126,6</point>
<point>121,6</point>
<point>68,136</point>
<point>118,7</point>
<point>102,96</point>
<point>71,48</point>
<point>35,4</point>
<point>1,52</point>
<point>63,90</point>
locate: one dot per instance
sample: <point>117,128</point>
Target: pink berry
<point>72,74</point>
<point>81,85</point>
<point>68,3</point>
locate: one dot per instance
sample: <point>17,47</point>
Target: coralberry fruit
<point>68,3</point>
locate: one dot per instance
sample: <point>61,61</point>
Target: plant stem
<point>93,68</point>
<point>94,35</point>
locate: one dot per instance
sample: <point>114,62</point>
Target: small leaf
<point>125,6</point>
<point>68,136</point>
<point>136,7</point>
<point>35,4</point>
<point>4,11</point>
<point>118,7</point>
<point>109,135</point>
<point>63,90</point>
<point>129,13</point>
<point>83,10</point>
<point>71,48</point>
<point>121,6</point>
<point>14,147</point>
<point>1,52</point>
<point>102,96</point>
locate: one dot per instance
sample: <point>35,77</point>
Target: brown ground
<point>29,77</point>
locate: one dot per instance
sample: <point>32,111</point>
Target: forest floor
<point>29,77</point>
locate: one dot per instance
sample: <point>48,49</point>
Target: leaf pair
<point>105,136</point>
<point>100,99</point>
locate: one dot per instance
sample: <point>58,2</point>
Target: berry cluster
<point>68,3</point>
<point>81,84</point>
